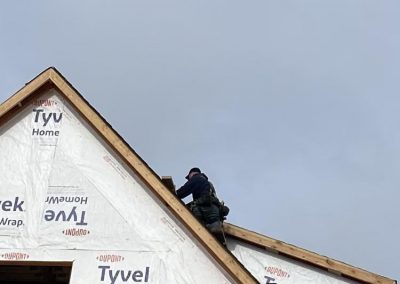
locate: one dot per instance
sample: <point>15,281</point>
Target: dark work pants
<point>207,214</point>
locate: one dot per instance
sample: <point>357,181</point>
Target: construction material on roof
<point>168,183</point>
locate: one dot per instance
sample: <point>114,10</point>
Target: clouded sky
<point>290,107</point>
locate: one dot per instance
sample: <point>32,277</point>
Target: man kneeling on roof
<point>205,205</point>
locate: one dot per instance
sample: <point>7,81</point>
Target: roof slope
<point>291,251</point>
<point>51,78</point>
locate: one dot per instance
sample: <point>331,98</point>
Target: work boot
<point>216,229</point>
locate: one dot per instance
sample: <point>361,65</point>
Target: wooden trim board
<point>303,255</point>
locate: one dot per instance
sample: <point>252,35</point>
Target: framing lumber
<point>303,255</point>
<point>22,94</point>
<point>169,183</point>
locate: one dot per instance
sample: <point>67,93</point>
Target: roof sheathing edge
<point>305,256</point>
<point>25,92</point>
<point>227,261</point>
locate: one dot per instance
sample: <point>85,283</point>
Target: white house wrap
<point>66,196</point>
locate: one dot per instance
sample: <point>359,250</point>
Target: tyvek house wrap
<point>66,196</point>
<point>268,267</point>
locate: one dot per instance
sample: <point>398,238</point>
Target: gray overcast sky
<point>290,107</point>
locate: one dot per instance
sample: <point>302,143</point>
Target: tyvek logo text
<point>114,275</point>
<point>42,119</point>
<point>66,215</point>
<point>14,205</point>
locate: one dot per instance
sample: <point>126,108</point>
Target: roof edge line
<point>304,255</point>
<point>25,91</point>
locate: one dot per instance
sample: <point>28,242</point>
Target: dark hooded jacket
<point>197,185</point>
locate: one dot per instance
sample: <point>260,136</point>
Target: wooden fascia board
<point>227,261</point>
<point>25,92</point>
<point>304,255</point>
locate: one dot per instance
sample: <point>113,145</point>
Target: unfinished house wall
<point>66,196</point>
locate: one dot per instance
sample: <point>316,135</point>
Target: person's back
<point>202,206</point>
<point>197,185</point>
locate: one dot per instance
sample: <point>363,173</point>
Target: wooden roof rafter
<point>314,259</point>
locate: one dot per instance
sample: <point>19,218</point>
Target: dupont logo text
<point>15,256</point>
<point>44,103</point>
<point>74,232</point>
<point>110,258</point>
<point>275,273</point>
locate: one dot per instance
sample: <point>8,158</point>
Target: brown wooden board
<point>306,256</point>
